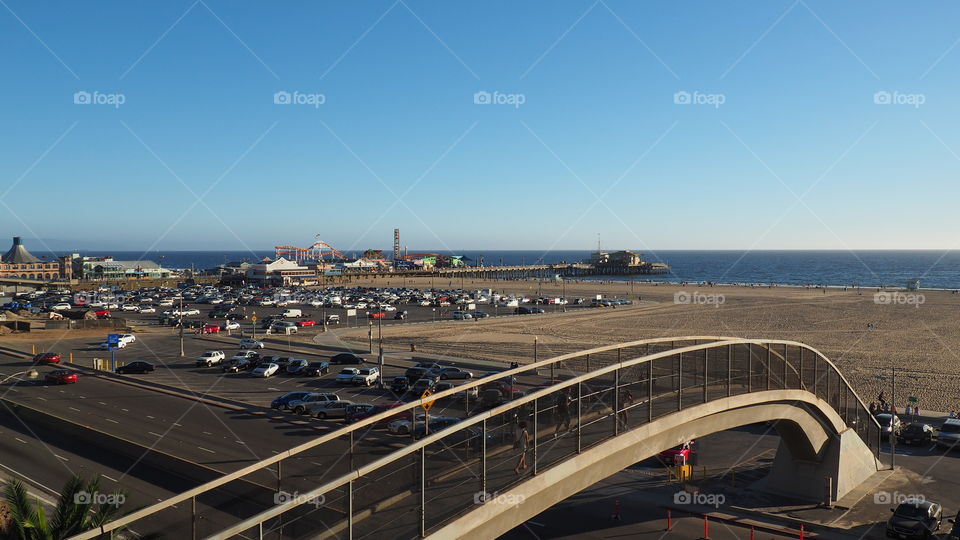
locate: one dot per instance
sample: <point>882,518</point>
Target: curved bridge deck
<point>626,402</point>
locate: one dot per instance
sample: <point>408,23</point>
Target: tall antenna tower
<point>396,244</point>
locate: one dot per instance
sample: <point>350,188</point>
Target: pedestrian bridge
<point>627,402</point>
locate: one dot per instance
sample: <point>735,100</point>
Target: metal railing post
<point>350,509</point>
<point>749,367</point>
<point>706,372</point>
<point>616,402</point>
<point>769,371</point>
<point>483,453</point>
<point>579,412</point>
<point>816,368</point>
<point>800,370</point>
<point>680,381</point>
<point>729,370</point>
<point>650,391</point>
<point>535,433</point>
<point>193,518</point>
<point>423,492</point>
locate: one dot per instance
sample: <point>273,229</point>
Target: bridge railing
<point>361,482</point>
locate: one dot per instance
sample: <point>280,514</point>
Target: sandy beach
<point>864,335</point>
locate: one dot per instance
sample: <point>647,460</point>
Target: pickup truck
<point>210,358</point>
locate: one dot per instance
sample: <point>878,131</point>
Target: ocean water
<point>934,269</point>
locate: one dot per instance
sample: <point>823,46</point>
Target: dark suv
<point>915,519</point>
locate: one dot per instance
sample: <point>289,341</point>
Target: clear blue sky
<point>798,155</point>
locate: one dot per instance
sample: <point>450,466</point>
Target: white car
<point>147,309</point>
<point>389,308</point>
<point>243,355</point>
<point>210,358</point>
<point>402,427</point>
<point>120,344</point>
<point>165,303</point>
<point>60,307</point>
<point>366,376</point>
<point>129,307</point>
<point>265,370</point>
<point>346,375</point>
<point>250,343</point>
<point>231,325</point>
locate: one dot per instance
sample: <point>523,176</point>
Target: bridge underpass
<point>679,389</point>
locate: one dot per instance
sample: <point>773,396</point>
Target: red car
<point>306,323</point>
<point>211,329</point>
<point>672,456</point>
<point>47,358</point>
<point>61,376</point>
<point>377,315</point>
<point>102,313</point>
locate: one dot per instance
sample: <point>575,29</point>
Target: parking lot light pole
<point>380,353</point>
<point>181,325</point>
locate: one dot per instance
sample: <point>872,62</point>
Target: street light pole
<point>380,354</point>
<point>181,324</point>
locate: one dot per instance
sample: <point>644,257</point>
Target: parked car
<point>61,376</point>
<point>421,386</point>
<point>434,424</point>
<point>346,375</point>
<point>47,358</point>
<point>670,456</point>
<point>146,309</point>
<point>316,369</point>
<point>231,325</point>
<point>330,409</point>
<point>400,315</point>
<point>915,519</point>
<point>296,366</point>
<point>250,343</point>
<point>138,366</point>
<point>480,315</point>
<point>889,423</point>
<point>455,373</point>
<point>356,416</point>
<point>402,426</point>
<point>236,365</point>
<point>399,385</point>
<point>916,433</point>
<point>333,319</point>
<point>210,358</point>
<point>346,358</point>
<point>63,306</point>
<point>301,405</point>
<point>949,434</point>
<point>355,410</point>
<point>283,402</point>
<point>306,323</point>
<point>265,370</point>
<point>461,315</point>
<point>366,376</point>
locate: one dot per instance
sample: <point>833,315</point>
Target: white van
<point>292,313</point>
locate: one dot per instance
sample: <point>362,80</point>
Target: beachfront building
<point>108,269</point>
<point>17,262</point>
<point>279,272</point>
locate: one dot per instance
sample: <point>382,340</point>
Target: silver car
<point>330,409</point>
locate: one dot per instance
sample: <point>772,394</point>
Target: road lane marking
<point>42,398</point>
<point>317,464</point>
<point>83,397</point>
<point>101,403</point>
<point>34,482</point>
<point>21,440</point>
<point>155,434</point>
<point>178,425</point>
<point>150,417</point>
<point>207,433</point>
<point>125,410</point>
<point>206,450</point>
<point>107,477</point>
<point>111,420</point>
<point>73,409</point>
<point>61,457</point>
